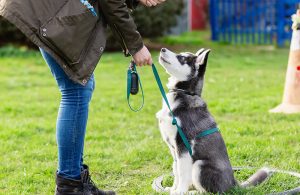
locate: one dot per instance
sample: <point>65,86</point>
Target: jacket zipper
<point>123,41</point>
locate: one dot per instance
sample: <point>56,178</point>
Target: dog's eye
<point>190,60</point>
<point>181,59</point>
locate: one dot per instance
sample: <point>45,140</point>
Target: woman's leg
<point>71,121</point>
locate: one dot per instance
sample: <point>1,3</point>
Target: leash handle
<point>174,121</point>
<point>132,70</point>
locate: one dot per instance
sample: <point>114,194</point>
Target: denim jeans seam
<point>93,88</point>
<point>74,130</point>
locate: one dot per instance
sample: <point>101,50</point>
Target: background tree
<point>151,22</point>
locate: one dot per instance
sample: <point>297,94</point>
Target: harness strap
<point>207,132</point>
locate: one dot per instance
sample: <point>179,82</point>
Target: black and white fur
<point>209,169</point>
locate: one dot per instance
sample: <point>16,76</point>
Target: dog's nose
<point>163,50</point>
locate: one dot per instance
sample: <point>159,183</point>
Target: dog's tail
<point>257,178</point>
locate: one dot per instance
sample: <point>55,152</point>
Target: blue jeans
<point>71,120</point>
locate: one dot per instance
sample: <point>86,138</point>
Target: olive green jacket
<point>70,33</point>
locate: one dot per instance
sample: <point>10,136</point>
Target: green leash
<point>174,121</point>
<point>163,93</point>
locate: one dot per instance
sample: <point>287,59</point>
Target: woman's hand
<point>143,57</point>
<point>150,3</point>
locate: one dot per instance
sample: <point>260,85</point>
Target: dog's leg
<point>196,175</point>
<point>175,173</point>
<point>184,171</point>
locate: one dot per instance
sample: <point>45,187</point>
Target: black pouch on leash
<point>133,85</point>
<point>134,89</point>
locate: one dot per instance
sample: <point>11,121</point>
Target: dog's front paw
<point>170,189</point>
<point>178,192</point>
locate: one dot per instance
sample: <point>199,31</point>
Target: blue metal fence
<point>252,21</point>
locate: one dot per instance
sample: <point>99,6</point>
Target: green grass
<point>124,149</point>
<point>186,38</point>
<point>277,182</point>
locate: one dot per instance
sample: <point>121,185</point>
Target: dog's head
<point>186,69</point>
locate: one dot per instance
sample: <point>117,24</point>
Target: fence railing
<point>252,21</point>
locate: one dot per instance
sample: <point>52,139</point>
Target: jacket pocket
<point>69,31</point>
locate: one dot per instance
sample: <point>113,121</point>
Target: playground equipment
<point>291,96</point>
<point>252,21</point>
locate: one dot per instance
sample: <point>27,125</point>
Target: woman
<point>71,38</point>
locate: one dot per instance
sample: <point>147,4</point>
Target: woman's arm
<point>117,15</point>
<point>132,4</point>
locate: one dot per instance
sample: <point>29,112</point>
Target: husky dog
<point>209,168</point>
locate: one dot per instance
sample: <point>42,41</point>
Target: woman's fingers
<point>154,2</point>
<point>151,3</point>
<point>150,62</point>
<point>143,57</point>
<point>159,1</point>
<point>142,62</point>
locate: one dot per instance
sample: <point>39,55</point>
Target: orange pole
<point>291,95</point>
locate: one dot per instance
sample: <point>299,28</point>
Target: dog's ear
<point>201,62</point>
<point>200,51</point>
<point>202,57</point>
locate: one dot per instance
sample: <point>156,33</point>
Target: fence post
<point>213,13</point>
<point>275,14</point>
<point>280,17</point>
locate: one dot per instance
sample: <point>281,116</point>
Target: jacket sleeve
<point>117,15</point>
<point>132,4</point>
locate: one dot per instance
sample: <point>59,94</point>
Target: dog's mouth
<point>164,60</point>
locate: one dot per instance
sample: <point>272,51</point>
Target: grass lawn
<point>124,149</point>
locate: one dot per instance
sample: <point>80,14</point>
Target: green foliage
<point>7,30</point>
<point>155,22</point>
<point>10,34</point>
<point>125,150</point>
<point>23,51</point>
<point>151,22</point>
<point>189,38</point>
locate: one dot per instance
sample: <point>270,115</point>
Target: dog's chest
<point>168,131</point>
